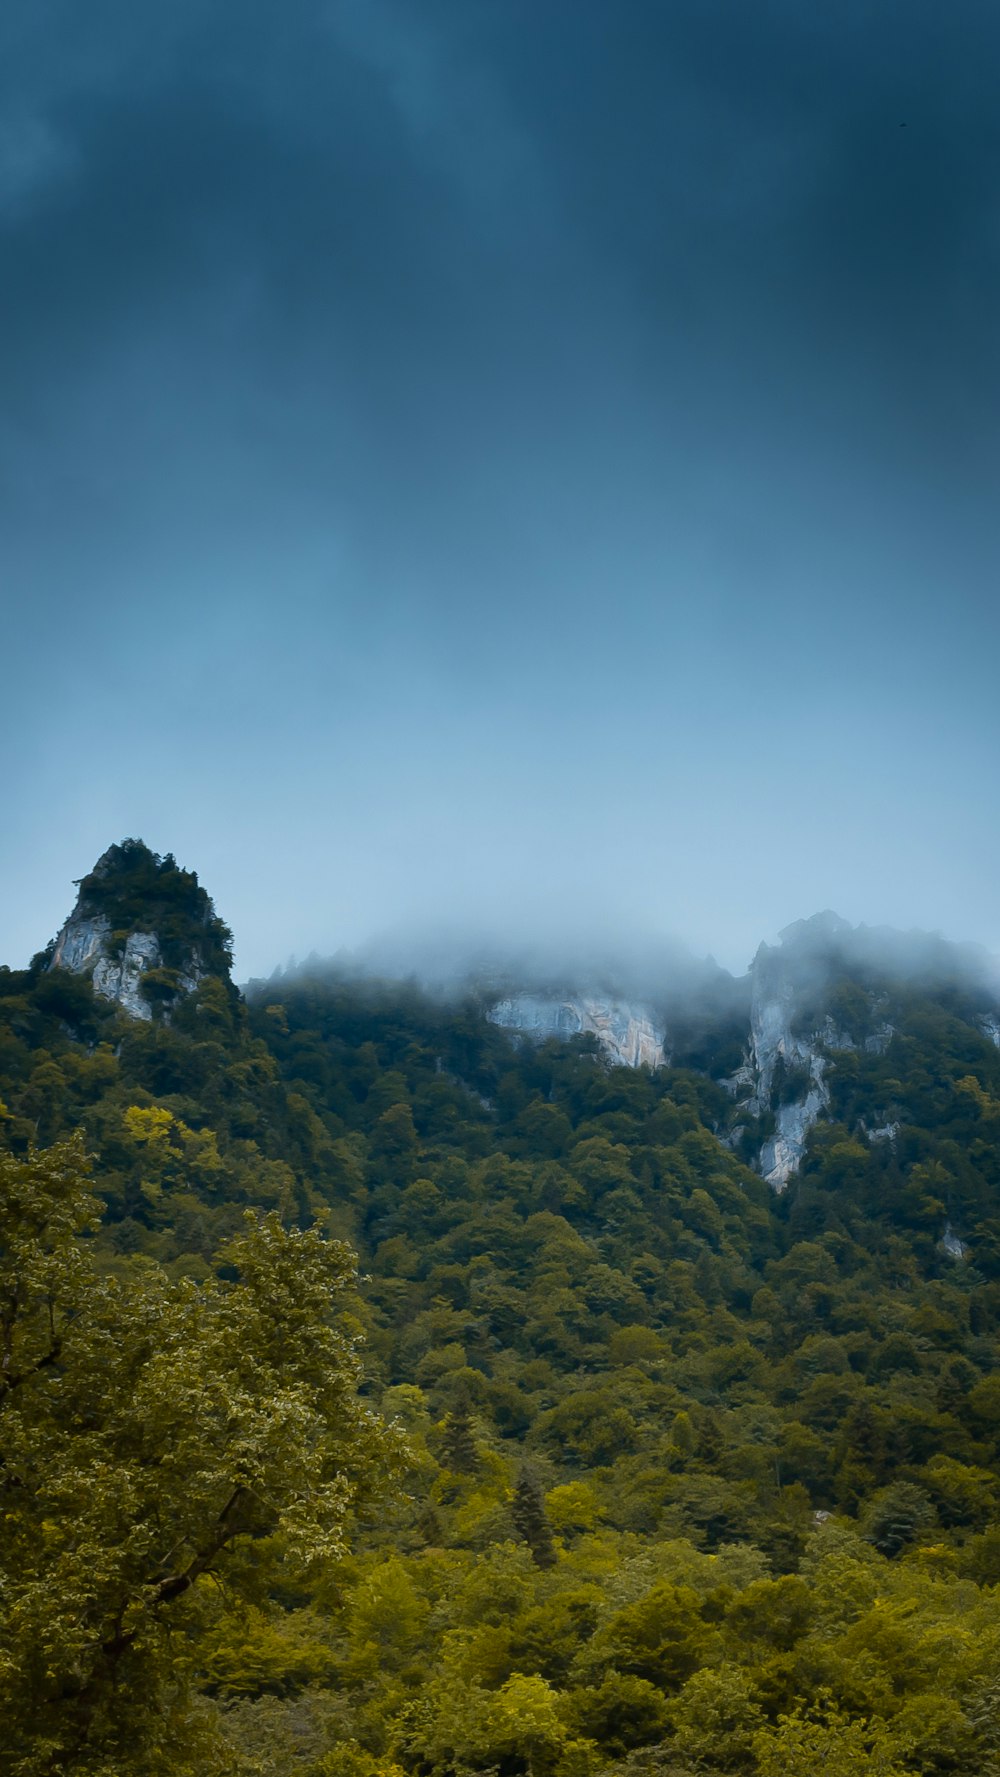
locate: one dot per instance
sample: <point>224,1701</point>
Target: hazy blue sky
<point>530,461</point>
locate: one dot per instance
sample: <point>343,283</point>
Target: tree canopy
<point>689,1477</point>
<point>168,1448</point>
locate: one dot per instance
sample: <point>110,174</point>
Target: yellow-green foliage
<point>756,1441</point>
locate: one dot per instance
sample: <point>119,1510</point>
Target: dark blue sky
<point>515,463</point>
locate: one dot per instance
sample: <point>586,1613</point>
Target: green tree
<point>715,1716</point>
<point>530,1520</point>
<point>621,1712</point>
<point>660,1637</point>
<point>461,1725</point>
<point>824,1740</point>
<point>154,1433</point>
<point>895,1517</point>
<point>458,1444</point>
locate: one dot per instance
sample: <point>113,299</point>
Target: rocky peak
<point>781,979</point>
<point>143,929</point>
<point>826,988</point>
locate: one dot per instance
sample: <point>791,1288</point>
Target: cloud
<point>506,444</point>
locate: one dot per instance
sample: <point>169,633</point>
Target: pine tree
<point>530,1521</point>
<point>458,1443</point>
<point>711,1444</point>
<point>895,1516</point>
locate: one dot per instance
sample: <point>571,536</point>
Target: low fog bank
<point>657,970</point>
<point>449,963</point>
<point>825,945</point>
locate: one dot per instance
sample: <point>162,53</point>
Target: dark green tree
<point>895,1517</point>
<point>458,1446</point>
<point>530,1520</point>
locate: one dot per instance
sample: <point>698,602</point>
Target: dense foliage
<point>698,1478</point>
<point>156,1435</point>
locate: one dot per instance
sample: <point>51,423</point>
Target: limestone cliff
<point>143,930</point>
<point>629,1034</point>
<point>84,946</point>
<point>779,979</point>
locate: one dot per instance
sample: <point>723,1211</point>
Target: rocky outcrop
<point>626,1032</point>
<point>537,1015</point>
<point>137,913</point>
<point>781,1156</point>
<point>883,1131</point>
<point>784,1067</point>
<point>953,1246</point>
<point>81,944</point>
<point>777,1052</point>
<point>629,1034</point>
<point>84,947</point>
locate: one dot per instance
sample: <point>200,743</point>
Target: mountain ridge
<point>146,934</point>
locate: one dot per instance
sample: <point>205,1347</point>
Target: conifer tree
<point>458,1443</point>
<point>530,1520</point>
<point>895,1516</point>
<point>682,1435</point>
<point>710,1444</point>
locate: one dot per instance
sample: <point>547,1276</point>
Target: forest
<point>383,1396</point>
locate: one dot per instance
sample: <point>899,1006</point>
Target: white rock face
<point>627,1033</point>
<point>82,948</point>
<point>782,981</point>
<point>834,1038</point>
<point>80,943</point>
<point>772,1006</point>
<point>782,1155</point>
<point>771,1037</point>
<point>989,1024</point>
<point>537,1015</point>
<point>955,1248</point>
<point>884,1132</point>
<point>119,981</point>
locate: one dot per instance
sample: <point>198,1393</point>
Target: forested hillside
<point>680,1475</point>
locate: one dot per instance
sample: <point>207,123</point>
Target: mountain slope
<point>687,1455</point>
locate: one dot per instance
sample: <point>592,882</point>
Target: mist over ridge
<point>445,962</point>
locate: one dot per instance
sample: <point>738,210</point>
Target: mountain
<point>142,930</point>
<point>700,1475</point>
<point>146,934</point>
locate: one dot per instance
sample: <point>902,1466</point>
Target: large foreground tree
<point>163,1446</point>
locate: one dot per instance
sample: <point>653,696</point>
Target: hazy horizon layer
<point>502,466</point>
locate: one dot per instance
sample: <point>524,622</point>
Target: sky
<point>528,464</point>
